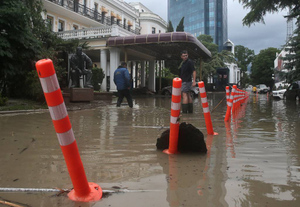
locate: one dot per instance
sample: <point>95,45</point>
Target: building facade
<point>150,23</point>
<point>201,17</point>
<point>94,21</point>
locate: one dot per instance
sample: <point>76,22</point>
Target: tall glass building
<point>201,17</point>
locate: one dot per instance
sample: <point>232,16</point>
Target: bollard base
<point>167,151</point>
<point>94,195</point>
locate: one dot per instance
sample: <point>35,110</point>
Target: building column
<point>136,74</point>
<point>151,80</point>
<point>114,63</point>
<point>133,69</point>
<point>103,65</point>
<point>143,69</point>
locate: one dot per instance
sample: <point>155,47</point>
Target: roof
<point>162,46</point>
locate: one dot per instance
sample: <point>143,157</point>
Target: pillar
<point>103,65</point>
<point>143,69</point>
<point>151,80</point>
<point>114,63</point>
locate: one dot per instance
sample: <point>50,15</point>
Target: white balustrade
<point>96,32</point>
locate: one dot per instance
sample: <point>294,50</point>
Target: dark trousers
<point>121,94</point>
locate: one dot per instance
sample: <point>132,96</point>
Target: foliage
<point>259,8</point>
<point>207,41</point>
<point>170,27</point>
<point>262,67</point>
<point>218,59</point>
<point>180,26</point>
<point>168,74</point>
<point>293,56</point>
<point>17,43</point>
<point>244,57</point>
<point>3,100</point>
<point>173,66</point>
<point>25,38</point>
<point>98,76</point>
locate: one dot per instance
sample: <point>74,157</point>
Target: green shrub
<point>3,100</point>
<point>98,76</point>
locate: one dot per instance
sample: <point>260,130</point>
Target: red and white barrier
<point>227,93</point>
<point>237,98</point>
<point>229,105</point>
<point>206,112</point>
<point>83,191</point>
<point>174,119</point>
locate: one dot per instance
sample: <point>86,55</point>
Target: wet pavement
<point>254,161</point>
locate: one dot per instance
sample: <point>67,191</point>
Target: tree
<point>259,8</point>
<point>218,59</point>
<point>24,39</point>
<point>207,41</point>
<point>262,67</point>
<point>180,26</point>
<point>170,27</point>
<point>293,57</point>
<point>17,43</point>
<point>244,57</point>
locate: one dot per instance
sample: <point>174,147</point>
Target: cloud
<point>257,37</point>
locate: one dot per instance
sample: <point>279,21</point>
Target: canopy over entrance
<point>162,46</point>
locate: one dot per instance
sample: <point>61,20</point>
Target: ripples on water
<point>254,161</point>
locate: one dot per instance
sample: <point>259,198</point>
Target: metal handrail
<point>91,13</point>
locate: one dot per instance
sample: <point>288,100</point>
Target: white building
<point>95,21</point>
<point>234,70</point>
<point>231,74</point>
<point>150,23</point>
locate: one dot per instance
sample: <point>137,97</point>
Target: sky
<point>256,37</point>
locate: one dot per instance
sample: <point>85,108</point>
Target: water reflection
<point>254,161</point>
<point>261,171</point>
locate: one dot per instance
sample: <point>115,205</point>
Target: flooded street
<point>254,161</point>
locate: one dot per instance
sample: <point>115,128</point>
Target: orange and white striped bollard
<point>229,106</point>
<point>206,111</point>
<point>175,113</point>
<point>83,191</point>
<point>227,93</point>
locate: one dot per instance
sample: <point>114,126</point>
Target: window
<point>153,30</point>
<point>75,27</point>
<point>159,31</point>
<point>61,25</point>
<point>50,21</point>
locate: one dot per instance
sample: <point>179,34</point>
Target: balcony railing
<point>97,32</point>
<point>92,14</point>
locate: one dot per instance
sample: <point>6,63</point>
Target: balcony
<point>97,32</point>
<point>84,11</point>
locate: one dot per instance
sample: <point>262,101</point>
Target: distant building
<point>201,17</point>
<point>229,75</point>
<point>280,66</point>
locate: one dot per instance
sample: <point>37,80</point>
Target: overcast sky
<point>257,37</point>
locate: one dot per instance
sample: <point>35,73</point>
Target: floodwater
<point>253,161</point>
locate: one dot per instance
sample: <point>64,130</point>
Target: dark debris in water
<point>190,139</point>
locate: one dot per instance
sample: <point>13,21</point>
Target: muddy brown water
<point>254,161</point>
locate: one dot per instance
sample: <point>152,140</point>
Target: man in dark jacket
<point>122,81</point>
<point>187,73</point>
